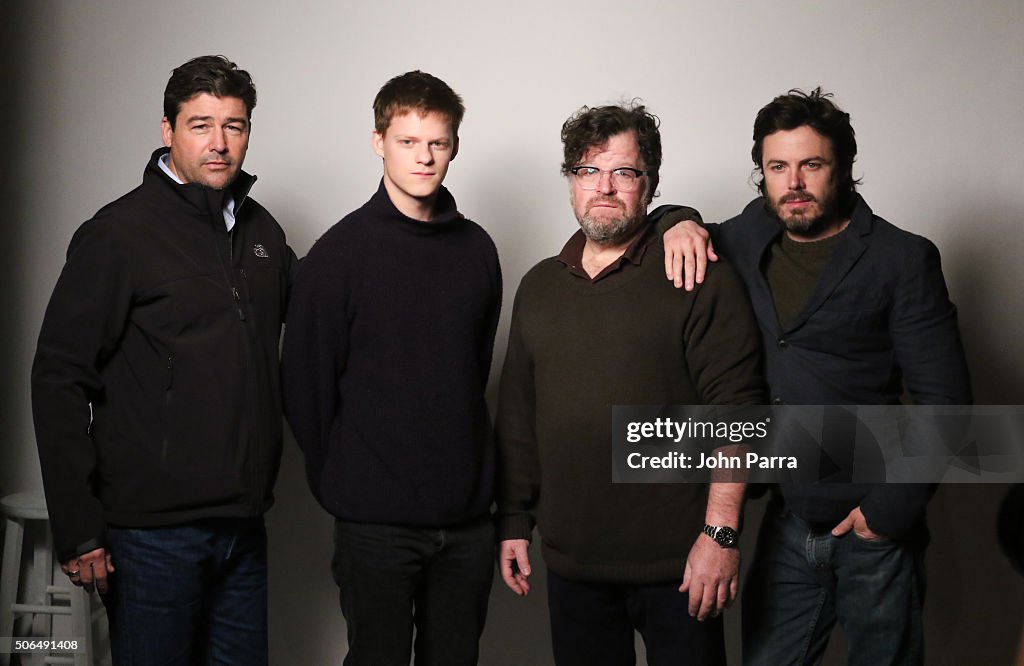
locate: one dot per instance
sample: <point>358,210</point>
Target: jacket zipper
<point>252,436</point>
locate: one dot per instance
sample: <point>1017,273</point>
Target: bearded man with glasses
<point>596,326</point>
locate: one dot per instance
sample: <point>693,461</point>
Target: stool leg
<point>41,578</point>
<point>10,572</point>
<point>81,626</point>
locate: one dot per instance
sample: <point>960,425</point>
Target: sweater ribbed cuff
<point>514,526</point>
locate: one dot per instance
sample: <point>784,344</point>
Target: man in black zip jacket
<point>155,389</point>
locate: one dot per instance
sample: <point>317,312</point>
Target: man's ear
<point>377,140</point>
<point>166,131</point>
<point>651,193</point>
<point>455,148</point>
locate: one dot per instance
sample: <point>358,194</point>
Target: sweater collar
<point>571,255</point>
<point>446,213</point>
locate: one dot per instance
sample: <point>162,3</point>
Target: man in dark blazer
<point>852,310</point>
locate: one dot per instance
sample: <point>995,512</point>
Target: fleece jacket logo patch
<point>260,251</point>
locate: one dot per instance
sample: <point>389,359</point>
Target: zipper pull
<point>238,299</point>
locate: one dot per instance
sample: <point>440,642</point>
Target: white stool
<point>26,513</point>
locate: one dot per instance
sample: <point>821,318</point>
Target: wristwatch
<point>724,536</point>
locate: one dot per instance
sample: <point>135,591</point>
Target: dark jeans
<point>393,578</point>
<point>190,594</point>
<point>803,580</point>
<point>592,624</point>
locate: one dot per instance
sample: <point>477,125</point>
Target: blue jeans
<point>393,578</point>
<point>592,624</point>
<point>803,580</point>
<point>189,594</point>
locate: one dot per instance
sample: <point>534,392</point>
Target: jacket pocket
<point>168,408</point>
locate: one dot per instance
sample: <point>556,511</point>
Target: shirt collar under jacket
<point>572,253</point>
<point>229,201</point>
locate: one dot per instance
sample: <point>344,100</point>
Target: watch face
<point>726,537</point>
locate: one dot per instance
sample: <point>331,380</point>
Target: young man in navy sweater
<point>386,357</point>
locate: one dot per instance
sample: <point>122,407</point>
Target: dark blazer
<point>878,321</point>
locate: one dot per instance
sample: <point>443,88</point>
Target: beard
<point>817,215</point>
<point>611,230</point>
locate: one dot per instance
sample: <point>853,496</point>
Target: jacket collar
<point>446,213</point>
<point>854,241</point>
<point>193,193</point>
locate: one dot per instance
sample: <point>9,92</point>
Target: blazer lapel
<point>763,234</point>
<point>851,246</point>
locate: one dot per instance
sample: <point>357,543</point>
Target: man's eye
<point>813,165</point>
<point>441,144</point>
<point>628,174</point>
<point>200,128</point>
<point>234,128</point>
<point>776,167</point>
<point>587,171</point>
<point>405,142</point>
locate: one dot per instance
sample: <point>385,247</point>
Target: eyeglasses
<point>624,179</point>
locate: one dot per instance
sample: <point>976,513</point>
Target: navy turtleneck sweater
<point>387,352</point>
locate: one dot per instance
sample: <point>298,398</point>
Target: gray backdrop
<point>934,89</point>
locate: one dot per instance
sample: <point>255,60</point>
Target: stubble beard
<point>219,181</point>
<point>804,225</point>
<point>611,231</point>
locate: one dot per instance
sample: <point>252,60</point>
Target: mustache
<point>604,200</point>
<point>797,196</point>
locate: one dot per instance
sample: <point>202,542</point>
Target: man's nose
<point>796,179</point>
<point>604,182</point>
<point>218,140</point>
<point>423,154</point>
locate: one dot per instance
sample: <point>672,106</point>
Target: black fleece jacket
<point>165,327</point>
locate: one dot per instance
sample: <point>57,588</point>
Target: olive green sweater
<point>578,346</point>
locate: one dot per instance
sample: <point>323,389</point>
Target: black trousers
<point>592,624</point>
<point>395,579</point>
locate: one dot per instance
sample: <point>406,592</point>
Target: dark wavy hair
<point>590,127</point>
<point>213,74</point>
<point>816,110</point>
<point>420,92</point>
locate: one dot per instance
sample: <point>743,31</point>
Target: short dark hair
<point>212,74</point>
<point>815,110</point>
<point>420,92</point>
<point>593,126</point>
